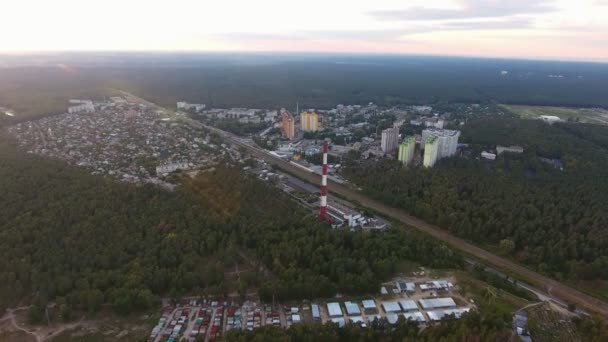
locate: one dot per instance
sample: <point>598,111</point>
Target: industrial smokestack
<point>323,206</point>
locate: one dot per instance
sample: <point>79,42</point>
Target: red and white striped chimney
<point>323,206</point>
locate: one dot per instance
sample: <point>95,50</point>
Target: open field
<point>102,326</point>
<point>587,115</point>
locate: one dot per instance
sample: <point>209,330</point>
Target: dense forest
<point>317,81</point>
<point>84,240</point>
<point>525,205</point>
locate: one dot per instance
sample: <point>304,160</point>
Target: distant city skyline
<point>541,29</point>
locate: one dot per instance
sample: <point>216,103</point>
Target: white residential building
<point>86,107</point>
<point>390,140</point>
<point>235,113</point>
<point>511,149</point>
<point>198,107</point>
<point>448,141</point>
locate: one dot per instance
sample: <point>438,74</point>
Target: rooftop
<point>414,316</point>
<point>437,303</point>
<point>438,315</point>
<point>315,311</point>
<point>392,318</point>
<point>334,309</point>
<point>391,306</point>
<point>408,305</point>
<point>369,304</point>
<point>339,321</point>
<point>352,308</point>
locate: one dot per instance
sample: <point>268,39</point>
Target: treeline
<point>502,283</point>
<point>317,82</point>
<point>552,220</point>
<point>473,326</point>
<point>69,237</point>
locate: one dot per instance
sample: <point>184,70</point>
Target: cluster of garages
<point>432,309</point>
<point>204,318</point>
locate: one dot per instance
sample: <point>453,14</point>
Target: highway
<point>551,288</point>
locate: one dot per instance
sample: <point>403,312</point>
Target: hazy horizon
<point>544,29</point>
<point>55,56</point>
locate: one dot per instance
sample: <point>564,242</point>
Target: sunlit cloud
<point>563,28</point>
<point>469,9</point>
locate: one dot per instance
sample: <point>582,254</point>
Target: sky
<point>545,29</point>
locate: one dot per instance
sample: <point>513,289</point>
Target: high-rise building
<point>309,121</point>
<point>406,150</point>
<point>287,124</point>
<point>448,141</point>
<point>431,151</point>
<point>390,140</point>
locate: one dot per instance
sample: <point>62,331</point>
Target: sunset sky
<point>560,29</point>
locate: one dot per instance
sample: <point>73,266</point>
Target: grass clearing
<point>482,292</point>
<point>587,115</point>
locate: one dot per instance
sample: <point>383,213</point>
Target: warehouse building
<point>369,306</point>
<point>437,315</point>
<point>434,303</point>
<point>352,309</point>
<point>391,307</point>
<point>406,286</point>
<point>408,305</point>
<point>415,316</point>
<point>339,321</point>
<point>333,309</point>
<point>316,313</point>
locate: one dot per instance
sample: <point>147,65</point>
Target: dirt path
<point>44,333</point>
<point>10,315</point>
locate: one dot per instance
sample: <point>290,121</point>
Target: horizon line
<point>264,52</point>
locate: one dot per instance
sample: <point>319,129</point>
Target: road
<point>555,288</point>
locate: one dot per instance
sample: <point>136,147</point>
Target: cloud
<point>470,9</point>
<point>511,24</point>
<point>468,25</point>
<point>392,35</point>
<point>312,35</point>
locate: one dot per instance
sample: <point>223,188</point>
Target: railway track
<point>551,286</point>
<point>555,288</point>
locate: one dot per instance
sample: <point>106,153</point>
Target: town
<point>137,142</point>
<point>129,141</point>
